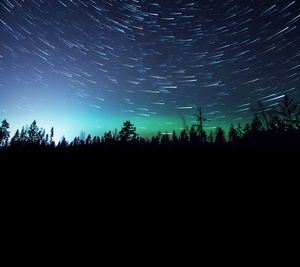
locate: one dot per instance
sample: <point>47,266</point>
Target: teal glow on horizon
<point>70,123</point>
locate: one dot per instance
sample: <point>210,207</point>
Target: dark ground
<point>197,161</point>
<point>209,191</point>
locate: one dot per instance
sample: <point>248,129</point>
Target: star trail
<point>89,65</point>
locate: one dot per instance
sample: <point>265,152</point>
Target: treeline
<point>269,126</point>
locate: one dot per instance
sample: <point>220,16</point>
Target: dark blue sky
<point>88,65</point>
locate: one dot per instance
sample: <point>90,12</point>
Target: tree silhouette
<point>155,140</point>
<point>15,139</point>
<point>233,135</point>
<point>42,137</point>
<point>186,126</point>
<point>75,142</point>
<point>220,136</point>
<point>174,138</point>
<point>4,133</point>
<point>240,130</point>
<point>265,114</point>
<point>210,137</point>
<point>33,133</point>
<point>108,137</point>
<point>128,132</point>
<point>184,137</point>
<point>96,140</point>
<point>165,139</point>
<point>288,113</point>
<point>88,140</point>
<point>52,143</point>
<point>82,137</point>
<point>247,131</point>
<point>256,126</point>
<point>200,120</point>
<point>194,138</point>
<point>63,143</point>
<point>46,141</point>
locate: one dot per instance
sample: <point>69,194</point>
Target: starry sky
<point>91,64</point>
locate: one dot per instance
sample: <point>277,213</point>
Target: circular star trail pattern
<point>89,65</point>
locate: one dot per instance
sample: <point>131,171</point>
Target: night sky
<point>89,65</point>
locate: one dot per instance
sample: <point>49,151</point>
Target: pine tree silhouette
<point>33,133</point>
<point>128,132</point>
<point>4,133</point>
<point>88,140</point>
<point>51,136</point>
<point>288,113</point>
<point>15,140</point>
<point>233,135</point>
<point>211,137</point>
<point>193,135</point>
<point>184,137</point>
<point>220,136</point>
<point>256,126</point>
<point>174,138</point>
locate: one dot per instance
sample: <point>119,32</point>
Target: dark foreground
<point>194,183</point>
<point>142,159</point>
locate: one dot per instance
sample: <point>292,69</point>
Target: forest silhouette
<point>272,130</point>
